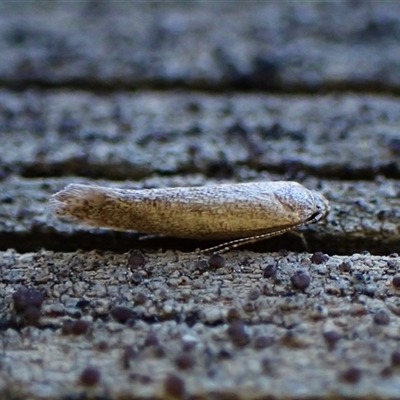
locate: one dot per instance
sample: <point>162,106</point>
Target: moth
<point>238,213</point>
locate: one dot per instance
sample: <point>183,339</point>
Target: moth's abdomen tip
<point>59,208</point>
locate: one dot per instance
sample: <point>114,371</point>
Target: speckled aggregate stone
<point>284,341</point>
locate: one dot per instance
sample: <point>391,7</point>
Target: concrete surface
<point>283,324</point>
<point>158,94</point>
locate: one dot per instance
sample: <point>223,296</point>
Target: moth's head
<point>321,207</point>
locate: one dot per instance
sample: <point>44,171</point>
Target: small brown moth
<point>242,212</point>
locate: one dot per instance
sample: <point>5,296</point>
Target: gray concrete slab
<point>209,45</point>
<point>168,325</point>
<point>132,135</point>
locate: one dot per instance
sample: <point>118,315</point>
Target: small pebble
<point>90,376</point>
<point>79,327</point>
<point>381,317</point>
<point>254,294</point>
<point>136,260</point>
<point>83,304</point>
<point>102,346</point>
<point>151,340</point>
<point>269,271</point>
<point>233,314</point>
<point>331,338</point>
<point>26,298</point>
<point>122,314</point>
<point>174,386</point>
<point>216,261</point>
<point>300,280</point>
<point>396,282</point>
<point>345,266</point>
<point>224,354</point>
<point>66,327</point>
<point>395,358</point>
<point>140,298</point>
<point>351,375</point>
<point>237,333</point>
<point>319,258</point>
<point>184,361</point>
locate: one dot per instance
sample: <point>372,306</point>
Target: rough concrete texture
<point>127,319</point>
<point>273,45</point>
<point>239,326</point>
<point>125,135</point>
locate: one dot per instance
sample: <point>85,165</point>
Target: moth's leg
<point>224,247</point>
<point>303,240</point>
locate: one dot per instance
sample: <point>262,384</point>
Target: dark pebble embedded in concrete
<point>136,260</point>
<point>90,376</point>
<point>381,317</point>
<point>319,258</point>
<point>396,282</point>
<point>184,361</point>
<point>122,314</point>
<point>140,298</point>
<point>66,327</point>
<point>26,298</point>
<point>102,345</point>
<point>224,354</point>
<point>237,333</point>
<point>216,261</point>
<point>254,294</point>
<point>300,280</point>
<point>151,340</point>
<point>345,266</point>
<point>269,271</point>
<point>351,375</point>
<point>174,386</point>
<point>395,358</point>
<point>331,338</point>
<point>83,304</point>
<point>71,327</point>
<point>233,314</point>
<point>80,327</point>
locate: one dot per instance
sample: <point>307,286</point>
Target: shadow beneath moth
<point>238,213</point>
